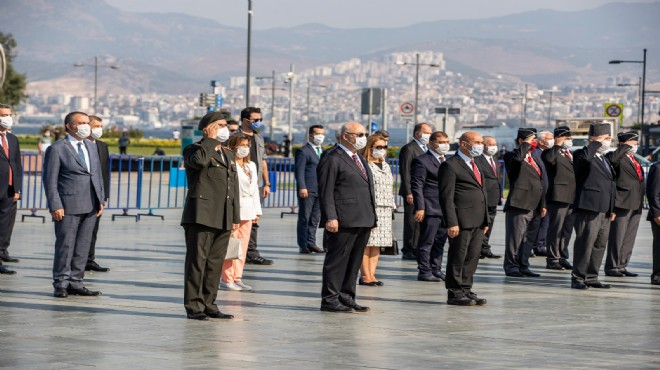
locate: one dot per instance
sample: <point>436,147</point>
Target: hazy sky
<point>351,13</point>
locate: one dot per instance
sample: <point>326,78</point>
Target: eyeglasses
<point>361,134</point>
<point>379,147</point>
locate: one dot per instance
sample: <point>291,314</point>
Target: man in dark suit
<point>309,212</point>
<point>538,229</point>
<point>595,190</point>
<point>415,148</point>
<point>96,123</point>
<point>348,212</point>
<point>558,162</point>
<point>628,205</point>
<point>11,174</point>
<point>210,214</point>
<point>426,199</point>
<point>489,167</point>
<point>525,200</point>
<point>74,189</point>
<point>653,196</point>
<point>464,206</point>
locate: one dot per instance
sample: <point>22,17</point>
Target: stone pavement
<point>139,321</point>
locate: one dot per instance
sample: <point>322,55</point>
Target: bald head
<point>350,131</point>
<point>469,140</point>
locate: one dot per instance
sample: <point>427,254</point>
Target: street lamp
<point>310,85</point>
<point>289,79</point>
<point>96,76</point>
<point>417,64</point>
<point>551,92</point>
<point>643,63</point>
<point>639,96</point>
<point>249,47</point>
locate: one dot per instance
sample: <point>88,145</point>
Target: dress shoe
<point>409,256</point>
<point>629,274</point>
<point>93,266</point>
<point>356,307</point>
<point>440,275</point>
<point>429,277</point>
<point>83,292</point>
<point>259,261</point>
<point>335,307</point>
<point>529,273</point>
<point>462,301</point>
<point>514,274</point>
<point>614,273</point>
<point>578,285</point>
<point>565,264</point>
<point>598,285</point>
<point>60,293</point>
<point>540,252</point>
<point>477,300</point>
<point>6,271</point>
<point>219,315</point>
<point>316,249</point>
<point>489,254</point>
<point>380,283</point>
<point>198,316</point>
<point>304,251</point>
<point>554,266</point>
<point>655,281</point>
<point>8,258</point>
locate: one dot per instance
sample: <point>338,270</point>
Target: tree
<point>13,90</point>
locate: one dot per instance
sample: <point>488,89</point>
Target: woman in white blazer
<point>250,204</point>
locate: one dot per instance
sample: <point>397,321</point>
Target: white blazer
<point>249,191</point>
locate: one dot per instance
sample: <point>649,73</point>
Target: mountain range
<point>178,53</point>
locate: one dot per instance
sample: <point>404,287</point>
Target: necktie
<point>5,147</point>
<point>424,148</point>
<point>531,161</point>
<point>568,154</point>
<point>477,174</point>
<point>492,165</point>
<point>605,164</point>
<point>359,164</point>
<point>318,151</point>
<point>638,168</point>
<point>81,154</point>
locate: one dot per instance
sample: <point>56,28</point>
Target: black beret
<point>210,118</point>
<point>525,132</point>
<point>562,131</point>
<point>625,136</point>
<point>597,129</point>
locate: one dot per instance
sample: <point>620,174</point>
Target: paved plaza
<point>139,321</point>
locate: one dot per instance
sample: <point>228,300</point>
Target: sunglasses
<point>379,147</point>
<point>361,134</point>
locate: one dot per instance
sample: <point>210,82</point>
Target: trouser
<point>206,248</point>
<point>655,228</point>
<point>431,245</point>
<point>73,235</point>
<point>309,216</point>
<point>252,245</point>
<point>410,229</point>
<point>540,241</point>
<point>592,230</point>
<point>7,219</point>
<point>122,150</point>
<point>520,225</point>
<point>558,221</point>
<point>92,247</point>
<point>232,270</point>
<point>623,232</point>
<point>462,261</point>
<point>485,246</point>
<point>342,263</point>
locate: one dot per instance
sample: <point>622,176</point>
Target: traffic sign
<point>407,108</point>
<point>374,126</point>
<point>445,110</point>
<point>614,110</point>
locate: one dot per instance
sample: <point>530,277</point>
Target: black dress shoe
<point>529,273</point>
<point>409,256</point>
<point>259,261</point>
<point>356,307</point>
<point>655,281</point>
<point>304,251</point>
<point>614,273</point>
<point>554,266</point>
<point>93,266</point>
<point>477,300</point>
<point>430,278</point>
<point>578,285</point>
<point>198,316</point>
<point>219,315</point>
<point>8,258</point>
<point>462,301</point>
<point>6,271</point>
<point>380,283</point>
<point>514,274</point>
<point>316,249</point>
<point>83,292</point>
<point>336,307</point>
<point>490,254</point>
<point>540,252</point>
<point>629,274</point>
<point>440,275</point>
<point>371,283</point>
<point>60,293</point>
<point>565,264</point>
<point>599,285</point>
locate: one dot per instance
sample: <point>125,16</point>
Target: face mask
<point>222,135</point>
<point>567,144</point>
<point>633,150</point>
<point>476,150</point>
<point>425,139</point>
<point>242,152</point>
<point>97,132</point>
<point>256,125</point>
<point>442,149</point>
<point>360,142</point>
<point>492,150</point>
<point>607,144</point>
<point>6,122</point>
<point>378,153</point>
<point>533,143</point>
<point>83,131</point>
<point>551,143</point>
<point>46,134</point>
<point>318,139</point>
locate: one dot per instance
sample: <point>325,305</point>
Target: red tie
<point>359,164</point>
<point>492,165</point>
<point>568,154</point>
<point>531,161</point>
<point>638,168</point>
<point>5,147</point>
<point>477,174</point>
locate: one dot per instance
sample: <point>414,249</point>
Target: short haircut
<point>232,122</point>
<point>344,129</point>
<point>383,133</point>
<point>69,117</point>
<point>247,112</point>
<point>418,127</point>
<point>95,118</point>
<point>314,127</point>
<point>5,106</point>
<point>440,134</point>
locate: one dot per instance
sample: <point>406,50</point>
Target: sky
<point>351,13</point>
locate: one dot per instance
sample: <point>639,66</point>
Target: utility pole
<point>249,47</point>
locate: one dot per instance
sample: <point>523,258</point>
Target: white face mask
<point>360,142</point>
<point>242,152</point>
<point>222,135</point>
<point>425,139</point>
<point>83,131</point>
<point>318,139</point>
<point>378,153</point>
<point>476,150</point>
<point>492,150</point>
<point>633,150</point>
<point>567,144</point>
<point>607,144</point>
<point>6,122</point>
<point>442,149</point>
<point>97,132</point>
<point>551,143</point>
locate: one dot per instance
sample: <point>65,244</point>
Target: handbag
<point>393,251</point>
<point>234,249</point>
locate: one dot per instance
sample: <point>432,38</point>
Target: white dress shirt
<point>74,142</point>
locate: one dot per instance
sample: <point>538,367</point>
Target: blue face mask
<point>256,125</point>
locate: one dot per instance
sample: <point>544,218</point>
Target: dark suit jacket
<point>653,191</point>
<point>595,188</point>
<point>561,176</point>
<point>536,154</point>
<point>306,161</point>
<point>213,194</point>
<point>526,186</point>
<point>492,181</point>
<point>14,162</point>
<point>344,194</point>
<point>463,201</point>
<point>407,153</point>
<point>104,158</point>
<point>424,184</point>
<point>629,188</point>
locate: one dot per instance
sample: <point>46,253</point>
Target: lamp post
<point>309,86</point>
<point>249,47</point>
<point>643,88</point>
<point>523,107</point>
<point>551,92</point>
<point>96,66</point>
<point>639,95</point>
<point>417,64</point>
<point>289,80</point>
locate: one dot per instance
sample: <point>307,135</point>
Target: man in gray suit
<point>74,190</point>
